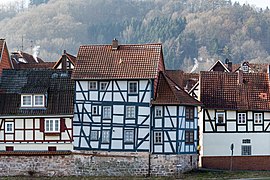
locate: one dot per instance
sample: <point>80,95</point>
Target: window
<point>52,125</point>
<point>94,135</point>
<point>246,141</point>
<point>94,110</point>
<point>189,137</point>
<point>158,111</point>
<point>92,85</point>
<point>189,113</point>
<point>246,150</point>
<point>9,127</point>
<point>158,137</point>
<point>26,100</point>
<point>130,112</point>
<point>39,100</point>
<point>128,136</point>
<point>105,136</point>
<point>133,87</point>
<point>258,118</point>
<point>220,117</point>
<point>33,100</point>
<point>103,86</point>
<point>241,118</point>
<point>107,112</point>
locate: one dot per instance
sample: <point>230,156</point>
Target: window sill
<point>52,133</point>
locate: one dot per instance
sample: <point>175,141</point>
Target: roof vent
<point>114,44</point>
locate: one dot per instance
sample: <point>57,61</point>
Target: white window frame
<point>129,136</point>
<point>217,115</point>
<point>158,111</point>
<point>54,128</point>
<point>105,136</point>
<point>130,112</point>
<point>129,87</point>
<point>26,105</point>
<point>90,86</point>
<point>93,110</point>
<point>94,135</point>
<point>101,85</point>
<point>43,100</point>
<point>7,126</point>
<point>258,118</point>
<point>240,116</point>
<point>158,137</point>
<point>107,112</point>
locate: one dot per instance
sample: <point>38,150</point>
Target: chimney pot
<point>114,44</point>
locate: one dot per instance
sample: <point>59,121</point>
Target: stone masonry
<point>97,163</point>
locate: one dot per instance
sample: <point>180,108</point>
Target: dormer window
<point>33,100</point>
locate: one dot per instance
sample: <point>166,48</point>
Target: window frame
<point>110,111</point>
<point>90,87</point>
<point>95,136</point>
<point>22,100</point>
<point>260,121</point>
<point>133,112</point>
<point>7,123</point>
<point>246,152</point>
<point>158,111</point>
<point>107,136</point>
<point>130,135</point>
<point>188,135</point>
<point>100,86</point>
<point>238,115</point>
<point>129,87</point>
<point>158,137</point>
<point>92,109</point>
<point>54,130</point>
<point>188,113</point>
<point>43,100</point>
<point>217,119</point>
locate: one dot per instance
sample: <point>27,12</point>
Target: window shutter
<point>41,123</point>
<point>62,125</point>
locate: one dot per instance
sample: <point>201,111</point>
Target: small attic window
<point>33,100</point>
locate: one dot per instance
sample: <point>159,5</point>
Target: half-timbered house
<point>235,120</point>
<point>66,61</point>
<point>36,110</point>
<point>118,90</point>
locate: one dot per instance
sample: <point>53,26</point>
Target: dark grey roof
<point>57,86</point>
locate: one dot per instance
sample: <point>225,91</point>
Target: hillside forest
<point>193,32</point>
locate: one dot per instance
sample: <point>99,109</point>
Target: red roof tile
<point>221,90</point>
<point>127,62</point>
<point>168,92</point>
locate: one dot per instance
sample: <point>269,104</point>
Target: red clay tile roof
<point>70,57</point>
<point>168,92</point>
<point>2,45</point>
<point>182,79</point>
<point>127,62</point>
<point>42,65</point>
<point>221,90</point>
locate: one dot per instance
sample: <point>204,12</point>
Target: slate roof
<point>220,90</point>
<point>169,93</point>
<point>182,79</point>
<point>57,85</point>
<point>127,62</point>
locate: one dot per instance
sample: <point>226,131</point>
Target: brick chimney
<point>115,44</point>
<point>64,61</point>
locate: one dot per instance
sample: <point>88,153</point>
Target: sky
<point>258,3</point>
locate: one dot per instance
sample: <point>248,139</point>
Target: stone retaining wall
<point>90,163</point>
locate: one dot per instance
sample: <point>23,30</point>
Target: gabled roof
<point>168,92</point>
<point>182,79</point>
<point>42,65</point>
<point>221,90</point>
<point>70,57</point>
<point>5,62</point>
<point>219,66</point>
<point>142,61</point>
<point>57,86</point>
